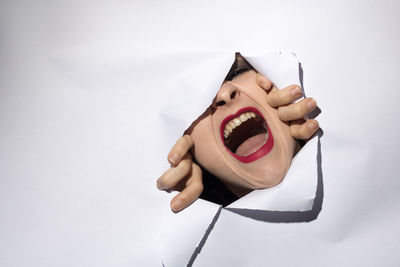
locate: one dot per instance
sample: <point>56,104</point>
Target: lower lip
<point>262,151</point>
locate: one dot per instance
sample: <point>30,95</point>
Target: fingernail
<point>311,104</point>
<point>295,91</point>
<point>174,158</point>
<point>161,186</point>
<point>176,205</point>
<point>312,125</point>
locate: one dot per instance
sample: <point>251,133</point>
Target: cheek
<point>209,156</point>
<point>205,149</point>
<point>208,153</point>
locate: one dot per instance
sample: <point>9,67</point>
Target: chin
<point>267,172</point>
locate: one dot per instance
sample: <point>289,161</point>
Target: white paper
<point>183,232</point>
<point>82,86</point>
<point>296,193</point>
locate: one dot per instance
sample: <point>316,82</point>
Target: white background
<point>77,78</point>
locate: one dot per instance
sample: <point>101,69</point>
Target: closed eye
<point>239,71</point>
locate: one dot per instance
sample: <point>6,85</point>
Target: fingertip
<point>295,91</point>
<point>312,125</point>
<point>173,158</point>
<point>311,104</point>
<point>176,205</point>
<point>263,82</point>
<point>161,186</point>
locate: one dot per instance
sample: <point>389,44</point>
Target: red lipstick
<point>263,150</point>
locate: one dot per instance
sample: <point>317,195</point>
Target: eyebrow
<point>239,66</point>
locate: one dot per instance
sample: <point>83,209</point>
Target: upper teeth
<point>235,122</point>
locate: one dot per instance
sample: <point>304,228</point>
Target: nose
<point>227,94</point>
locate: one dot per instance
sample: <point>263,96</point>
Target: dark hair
<point>239,66</point>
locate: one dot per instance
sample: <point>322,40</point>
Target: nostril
<point>220,103</point>
<point>233,94</point>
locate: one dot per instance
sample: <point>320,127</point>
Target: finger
<point>297,110</point>
<point>173,175</point>
<point>180,149</point>
<point>304,130</point>
<point>192,191</point>
<point>263,82</point>
<point>284,96</point>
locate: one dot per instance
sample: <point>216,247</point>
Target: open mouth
<point>246,135</point>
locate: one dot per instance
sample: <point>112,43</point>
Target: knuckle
<point>184,165</point>
<point>297,110</point>
<point>273,99</point>
<point>182,145</point>
<point>177,143</point>
<point>196,180</point>
<point>293,131</point>
<point>274,93</point>
<point>188,157</point>
<point>187,140</point>
<point>194,190</point>
<point>180,142</point>
<point>283,112</point>
<point>285,96</point>
<point>259,79</point>
<point>200,187</point>
<point>178,149</point>
<point>297,132</point>
<point>263,82</point>
<point>304,133</point>
<point>196,169</point>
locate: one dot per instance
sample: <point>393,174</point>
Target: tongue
<point>252,144</point>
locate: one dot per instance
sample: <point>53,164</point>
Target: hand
<point>184,175</point>
<point>294,113</point>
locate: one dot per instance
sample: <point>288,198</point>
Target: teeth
<point>230,126</point>
<point>226,133</point>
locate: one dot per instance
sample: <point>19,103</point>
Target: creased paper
<point>296,193</point>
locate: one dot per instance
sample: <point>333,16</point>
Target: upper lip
<point>237,114</point>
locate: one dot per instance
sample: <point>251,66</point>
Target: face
<point>241,139</point>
